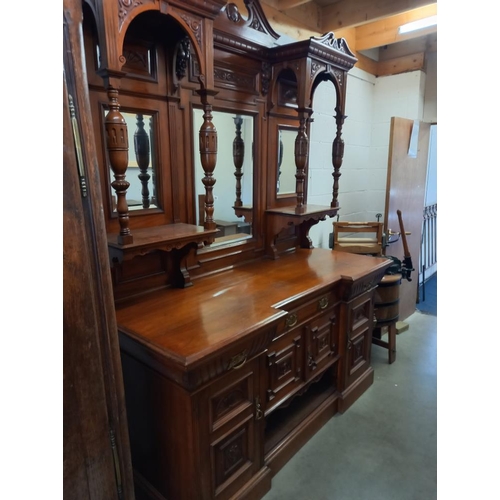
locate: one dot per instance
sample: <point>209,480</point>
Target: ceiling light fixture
<point>418,25</point>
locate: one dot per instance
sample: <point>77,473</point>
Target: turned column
<point>117,146</point>
<point>153,166</point>
<point>141,145</point>
<point>208,155</point>
<point>238,155</point>
<point>280,160</point>
<point>337,156</point>
<point>301,155</point>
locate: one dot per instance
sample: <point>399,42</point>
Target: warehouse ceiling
<point>371,28</point>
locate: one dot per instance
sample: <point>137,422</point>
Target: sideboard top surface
<point>187,324</point>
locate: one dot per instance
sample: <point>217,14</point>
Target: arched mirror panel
<point>233,189</point>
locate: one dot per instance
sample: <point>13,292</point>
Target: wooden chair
<point>387,293</point>
<point>371,244</point>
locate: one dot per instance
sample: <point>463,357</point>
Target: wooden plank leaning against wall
<point>406,192</point>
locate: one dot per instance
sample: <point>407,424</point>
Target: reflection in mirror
<point>141,193</point>
<point>233,189</point>
<point>286,161</point>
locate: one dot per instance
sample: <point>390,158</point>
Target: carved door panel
<point>284,360</point>
<point>232,431</point>
<point>321,340</point>
<point>359,337</point>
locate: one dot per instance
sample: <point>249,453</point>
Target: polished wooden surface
<point>222,308</point>
<point>243,368</point>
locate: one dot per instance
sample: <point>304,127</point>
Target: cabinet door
<point>321,340</point>
<point>284,361</point>
<point>232,431</point>
<point>359,338</point>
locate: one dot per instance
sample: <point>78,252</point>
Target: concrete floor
<point>385,446</point>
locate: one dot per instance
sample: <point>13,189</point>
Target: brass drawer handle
<point>238,361</point>
<point>291,320</point>
<point>323,303</point>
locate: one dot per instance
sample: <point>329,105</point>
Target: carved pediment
<point>336,43</point>
<point>255,27</point>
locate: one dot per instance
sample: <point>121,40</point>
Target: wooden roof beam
<point>386,31</point>
<point>290,4</point>
<point>399,65</point>
<point>349,13</point>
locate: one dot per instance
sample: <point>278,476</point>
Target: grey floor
<point>385,446</point>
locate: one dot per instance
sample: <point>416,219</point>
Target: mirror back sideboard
<point>238,338</point>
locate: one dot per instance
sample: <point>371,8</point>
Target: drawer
<point>230,360</point>
<point>321,341</point>
<point>285,374</point>
<point>300,313</point>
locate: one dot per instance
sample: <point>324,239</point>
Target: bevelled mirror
<point>286,183</point>
<point>141,193</point>
<point>233,189</point>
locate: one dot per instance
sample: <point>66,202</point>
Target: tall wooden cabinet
<point>238,339</point>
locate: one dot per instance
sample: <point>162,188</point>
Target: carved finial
<point>182,57</point>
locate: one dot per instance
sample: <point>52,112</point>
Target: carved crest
<point>124,7</point>
<point>232,12</point>
<point>195,25</point>
<point>256,18</point>
<point>336,43</point>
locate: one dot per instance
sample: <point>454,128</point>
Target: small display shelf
<point>303,217</point>
<point>177,238</point>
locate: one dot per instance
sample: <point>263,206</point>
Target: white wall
<point>370,104</point>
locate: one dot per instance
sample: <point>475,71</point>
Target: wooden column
<point>117,145</point>
<point>337,156</point>
<point>153,165</point>
<point>301,156</point>
<point>208,154</point>
<point>142,150</point>
<point>238,155</point>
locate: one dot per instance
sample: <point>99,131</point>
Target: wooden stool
<point>386,309</point>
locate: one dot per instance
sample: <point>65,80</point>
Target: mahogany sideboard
<point>225,381</point>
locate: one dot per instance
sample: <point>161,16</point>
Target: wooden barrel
<point>386,302</point>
